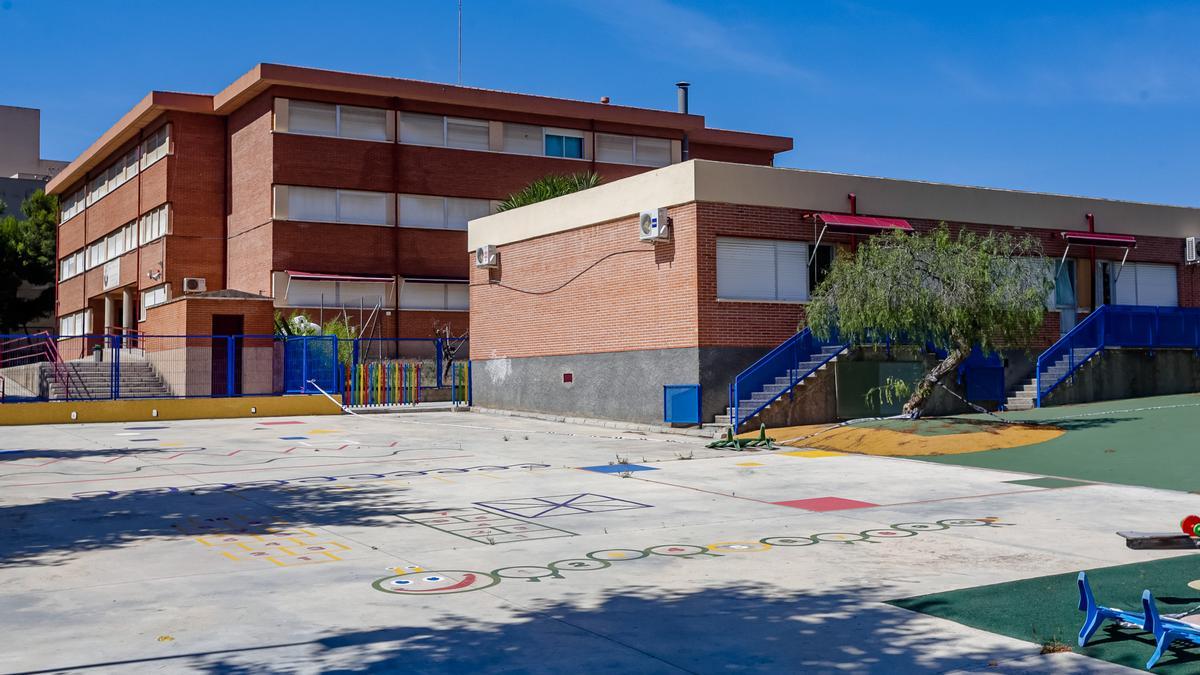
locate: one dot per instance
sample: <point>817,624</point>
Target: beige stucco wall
<point>707,181</point>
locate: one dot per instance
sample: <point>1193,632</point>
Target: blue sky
<point>1093,98</point>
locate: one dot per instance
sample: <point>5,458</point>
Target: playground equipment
<point>1189,538</point>
<point>742,443</point>
<point>1165,630</point>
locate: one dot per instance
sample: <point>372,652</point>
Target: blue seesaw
<point>1098,614</point>
<point>1166,631</point>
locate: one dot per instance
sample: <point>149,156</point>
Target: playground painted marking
<point>813,453</point>
<point>440,582</point>
<point>561,505</point>
<point>618,468</point>
<point>282,422</point>
<point>826,504</point>
<point>241,538</point>
<point>484,527</point>
<point>749,464</point>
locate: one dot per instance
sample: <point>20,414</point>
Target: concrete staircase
<point>90,380</point>
<point>782,384</point>
<point>1024,397</point>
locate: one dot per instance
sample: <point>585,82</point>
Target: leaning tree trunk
<point>924,390</point>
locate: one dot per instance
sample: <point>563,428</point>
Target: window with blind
<point>431,295</point>
<point>523,139</point>
<point>75,324</point>
<point>442,213</point>
<point>153,297</point>
<point>71,266</point>
<point>72,206</point>
<point>762,270</point>
<point>466,134</point>
<point>344,121</point>
<point>155,146</point>
<point>616,149</point>
<point>154,224</point>
<point>1142,284</point>
<point>329,205</point>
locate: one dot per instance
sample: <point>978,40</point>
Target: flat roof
<point>265,75</point>
<point>819,191</point>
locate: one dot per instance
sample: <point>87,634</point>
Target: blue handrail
<point>780,361</point>
<point>1116,326</point>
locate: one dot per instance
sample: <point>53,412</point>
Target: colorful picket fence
<point>383,383</point>
<point>460,382</point>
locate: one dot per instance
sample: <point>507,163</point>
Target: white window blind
<point>71,266</point>
<point>352,294</point>
<point>614,149</point>
<point>466,134</point>
<point>523,139</point>
<point>422,129</point>
<point>75,324</point>
<point>653,151</point>
<point>430,295</point>
<point>155,146</point>
<point>312,204</point>
<point>368,208</point>
<point>1156,285</point>
<point>95,254</point>
<point>116,175</point>
<point>422,211</point>
<point>369,124</point>
<point>307,293</point>
<point>459,211</point>
<point>152,297</point>
<point>758,269</point>
<point>310,117</point>
<point>154,224</point>
<point>449,213</point>
<point>73,205</point>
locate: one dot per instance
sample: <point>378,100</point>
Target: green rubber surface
<point>1150,442</point>
<point>1042,609</point>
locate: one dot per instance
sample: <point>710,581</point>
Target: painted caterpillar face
<point>436,582</point>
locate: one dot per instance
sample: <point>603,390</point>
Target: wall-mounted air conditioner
<point>1190,255</point>
<point>653,225</point>
<point>487,257</point>
<point>194,285</point>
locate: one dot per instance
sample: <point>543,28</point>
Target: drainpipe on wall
<point>1096,292</point>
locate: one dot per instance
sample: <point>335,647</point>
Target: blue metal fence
<point>782,361</point>
<point>1116,326</point>
<point>90,367</point>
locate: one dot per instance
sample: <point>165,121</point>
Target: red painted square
<point>825,504</point>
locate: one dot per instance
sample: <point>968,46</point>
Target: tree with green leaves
<point>955,291</point>
<point>27,256</point>
<point>549,187</point>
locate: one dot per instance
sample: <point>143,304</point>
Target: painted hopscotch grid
<point>242,539</point>
<point>561,505</point>
<point>484,527</point>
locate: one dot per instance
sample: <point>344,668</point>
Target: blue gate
<point>311,358</point>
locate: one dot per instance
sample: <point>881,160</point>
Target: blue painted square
<point>293,438</point>
<point>618,468</point>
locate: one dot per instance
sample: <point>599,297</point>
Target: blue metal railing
<point>1116,326</point>
<point>781,361</point>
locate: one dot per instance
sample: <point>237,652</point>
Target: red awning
<point>1100,239</point>
<point>318,276</point>
<point>861,224</point>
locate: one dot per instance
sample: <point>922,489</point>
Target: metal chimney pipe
<point>682,90</point>
<point>683,96</point>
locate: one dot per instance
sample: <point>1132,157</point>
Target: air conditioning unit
<point>653,225</point>
<point>194,285</point>
<point>487,257</point>
<point>1189,251</point>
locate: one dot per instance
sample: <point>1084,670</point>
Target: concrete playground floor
<point>463,542</point>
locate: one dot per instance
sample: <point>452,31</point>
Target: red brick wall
<point>725,153</point>
<point>643,297</point>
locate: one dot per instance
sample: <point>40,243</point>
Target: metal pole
<point>460,43</point>
<point>229,369</point>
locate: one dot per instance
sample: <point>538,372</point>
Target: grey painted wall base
<point>1130,373</point>
<point>625,386</point>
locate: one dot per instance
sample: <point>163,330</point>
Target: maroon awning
<point>319,276</point>
<point>861,224</point>
<point>1099,239</point>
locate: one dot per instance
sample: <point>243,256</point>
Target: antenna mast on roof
<point>460,42</point>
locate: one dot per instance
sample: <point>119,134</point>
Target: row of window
<point>372,124</point>
<point>779,271</point>
<point>152,149</point>
<point>151,226</point>
<point>414,294</point>
<point>358,207</point>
